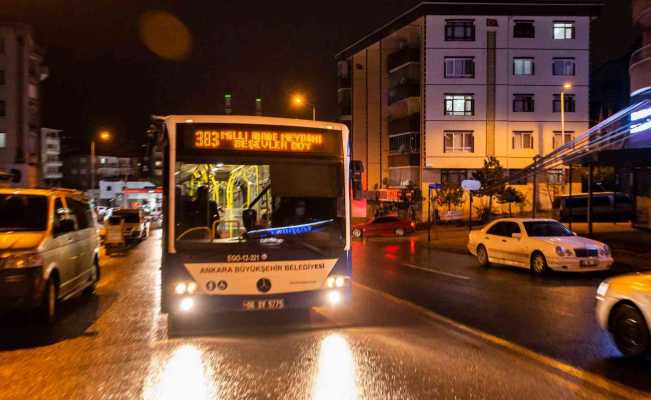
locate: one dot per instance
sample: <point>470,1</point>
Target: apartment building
<point>78,173</point>
<point>441,87</point>
<point>21,72</point>
<point>51,163</point>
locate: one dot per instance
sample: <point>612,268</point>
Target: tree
<point>449,195</point>
<point>491,177</point>
<point>509,196</point>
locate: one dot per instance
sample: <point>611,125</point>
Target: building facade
<point>51,163</point>
<point>442,87</point>
<point>21,71</point>
<point>78,172</point>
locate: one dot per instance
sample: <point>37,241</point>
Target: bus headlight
<point>186,304</point>
<point>336,281</point>
<point>334,297</point>
<point>185,287</point>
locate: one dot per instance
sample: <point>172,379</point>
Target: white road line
<point>436,271</point>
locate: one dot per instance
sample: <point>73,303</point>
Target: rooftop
<point>476,7</point>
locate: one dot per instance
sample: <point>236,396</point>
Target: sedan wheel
<point>538,264</point>
<point>400,232</point>
<point>630,331</point>
<point>482,256</point>
<point>357,233</point>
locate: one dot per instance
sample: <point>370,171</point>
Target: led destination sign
<point>260,139</point>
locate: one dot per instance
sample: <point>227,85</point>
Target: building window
<point>453,177</point>
<point>564,67</point>
<point>460,104</point>
<point>524,29</point>
<point>458,142</point>
<point>523,66</point>
<point>561,139</point>
<point>400,144</point>
<point>555,177</point>
<point>522,140</point>
<point>459,67</point>
<point>3,108</point>
<point>523,103</point>
<point>570,103</point>
<point>3,140</point>
<point>2,77</point>
<point>564,30</point>
<point>459,30</point>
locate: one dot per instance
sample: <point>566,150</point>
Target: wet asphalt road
<point>115,345</point>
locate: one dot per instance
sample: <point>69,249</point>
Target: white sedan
<point>537,244</point>
<point>624,310</point>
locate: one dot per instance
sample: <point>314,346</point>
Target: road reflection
<point>335,377</point>
<point>185,375</point>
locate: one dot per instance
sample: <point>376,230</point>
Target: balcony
<point>642,13</point>
<point>404,91</point>
<point>406,124</point>
<point>343,83</point>
<point>640,69</point>
<point>402,57</point>
<point>404,160</point>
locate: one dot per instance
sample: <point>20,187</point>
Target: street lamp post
<point>298,100</point>
<point>567,86</point>
<point>104,136</point>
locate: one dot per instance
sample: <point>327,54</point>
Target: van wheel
<point>47,311</point>
<point>357,233</point>
<point>630,331</point>
<point>90,290</point>
<point>538,264</point>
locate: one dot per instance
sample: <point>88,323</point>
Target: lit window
<point>564,30</point>
<point>458,142</point>
<point>524,29</point>
<point>523,66</point>
<point>3,140</point>
<point>460,104</point>
<point>523,103</point>
<point>561,139</point>
<point>569,100</point>
<point>459,67</point>
<point>522,140</point>
<point>563,67</point>
<point>460,30</point>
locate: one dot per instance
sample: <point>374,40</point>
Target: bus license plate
<point>268,304</point>
<point>589,263</point>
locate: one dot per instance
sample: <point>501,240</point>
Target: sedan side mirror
<point>516,235</point>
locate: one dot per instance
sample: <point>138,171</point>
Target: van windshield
<point>23,213</point>
<point>129,218</point>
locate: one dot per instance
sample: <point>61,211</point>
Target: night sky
<point>103,76</point>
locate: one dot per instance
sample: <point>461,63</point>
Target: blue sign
<point>435,186</point>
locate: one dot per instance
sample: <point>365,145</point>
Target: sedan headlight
<point>563,252</point>
<point>604,251</point>
<point>602,289</point>
<point>15,261</point>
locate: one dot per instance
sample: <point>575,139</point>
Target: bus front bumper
<point>206,304</point>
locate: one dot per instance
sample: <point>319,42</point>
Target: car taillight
<point>413,224</point>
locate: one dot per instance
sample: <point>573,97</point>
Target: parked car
<point>606,206</point>
<point>136,226</point>
<point>537,244</point>
<point>624,310</point>
<point>49,249</point>
<point>386,225</point>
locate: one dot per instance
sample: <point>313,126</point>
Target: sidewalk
<point>631,247</point>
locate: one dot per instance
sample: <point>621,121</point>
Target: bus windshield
<point>270,204</point>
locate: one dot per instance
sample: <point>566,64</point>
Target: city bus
<point>257,214</point>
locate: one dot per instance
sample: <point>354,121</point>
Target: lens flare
<point>165,35</point>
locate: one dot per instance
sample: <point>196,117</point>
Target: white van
<point>49,249</point>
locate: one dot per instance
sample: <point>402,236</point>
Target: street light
<point>566,86</point>
<point>299,101</point>
<point>104,136</point>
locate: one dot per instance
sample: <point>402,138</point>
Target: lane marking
<point>596,380</point>
<point>436,271</point>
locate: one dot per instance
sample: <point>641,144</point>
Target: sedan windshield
<point>546,229</point>
<point>23,213</point>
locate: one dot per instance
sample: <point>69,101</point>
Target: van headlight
<point>563,252</point>
<point>602,289</point>
<point>185,287</point>
<point>16,261</point>
<point>337,281</point>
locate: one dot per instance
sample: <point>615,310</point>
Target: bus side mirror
<point>249,218</point>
